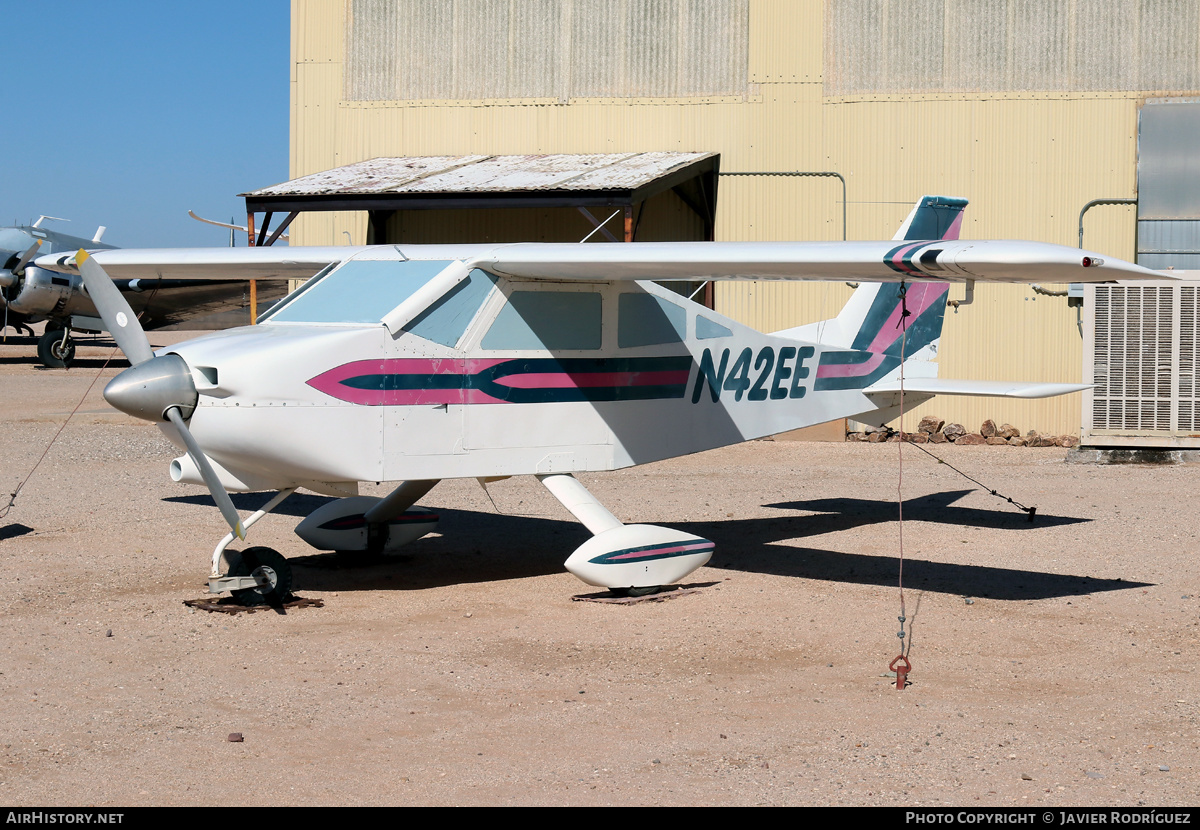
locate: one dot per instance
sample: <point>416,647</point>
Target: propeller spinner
<point>153,388</point>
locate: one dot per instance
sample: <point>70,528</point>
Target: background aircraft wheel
<point>273,566</point>
<point>52,352</point>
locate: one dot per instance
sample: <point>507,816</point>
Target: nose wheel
<point>264,577</point>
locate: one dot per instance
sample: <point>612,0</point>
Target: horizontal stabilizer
<point>978,388</point>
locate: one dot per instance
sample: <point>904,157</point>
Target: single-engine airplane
<point>30,294</point>
<point>416,363</point>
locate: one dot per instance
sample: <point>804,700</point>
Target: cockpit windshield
<point>359,291</point>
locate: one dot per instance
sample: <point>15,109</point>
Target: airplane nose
<point>149,389</point>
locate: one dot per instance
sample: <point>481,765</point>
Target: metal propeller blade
<point>114,310</point>
<point>127,331</point>
<point>220,496</point>
<point>19,268</point>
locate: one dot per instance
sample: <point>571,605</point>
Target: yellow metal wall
<point>1027,161</point>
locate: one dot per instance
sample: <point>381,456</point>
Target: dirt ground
<point>1054,663</point>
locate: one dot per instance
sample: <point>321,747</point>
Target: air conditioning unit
<point>1141,350</point>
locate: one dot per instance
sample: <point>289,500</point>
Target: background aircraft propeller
<point>155,388</point>
<point>9,275</point>
<point>19,268</point>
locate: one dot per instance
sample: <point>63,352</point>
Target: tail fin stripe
<point>919,298</point>
<point>880,326</point>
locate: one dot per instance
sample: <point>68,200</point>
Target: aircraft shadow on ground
<point>482,547</point>
<point>14,530</point>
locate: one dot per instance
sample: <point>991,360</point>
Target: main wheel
<point>268,564</point>
<point>53,352</point>
<point>644,591</point>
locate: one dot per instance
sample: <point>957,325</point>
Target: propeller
<point>10,275</point>
<point>19,268</point>
<point>153,388</point>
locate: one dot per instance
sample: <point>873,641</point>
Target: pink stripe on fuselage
<point>850,370</point>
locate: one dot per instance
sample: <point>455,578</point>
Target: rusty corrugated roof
<point>564,172</point>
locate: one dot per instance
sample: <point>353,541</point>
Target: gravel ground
<point>1054,663</point>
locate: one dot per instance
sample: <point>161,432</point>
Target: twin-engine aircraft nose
<point>149,389</point>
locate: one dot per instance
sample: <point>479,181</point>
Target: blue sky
<point>127,114</point>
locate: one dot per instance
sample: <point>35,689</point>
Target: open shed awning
<point>482,181</point>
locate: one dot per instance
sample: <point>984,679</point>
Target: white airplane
<point>417,363</point>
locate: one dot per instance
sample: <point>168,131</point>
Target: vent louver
<point>1143,359</point>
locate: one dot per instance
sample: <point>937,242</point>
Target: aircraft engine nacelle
<point>638,556</point>
<point>44,292</point>
<point>342,525</point>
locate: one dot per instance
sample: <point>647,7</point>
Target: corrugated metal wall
<point>1028,161</point>
<point>469,50</point>
<point>877,46</point>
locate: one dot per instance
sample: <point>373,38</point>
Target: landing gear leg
<point>256,575</point>
<point>582,504</point>
<point>633,560</point>
<point>379,516</point>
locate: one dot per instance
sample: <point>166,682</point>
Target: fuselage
<point>492,377</point>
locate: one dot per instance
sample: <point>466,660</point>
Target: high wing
<point>885,261</point>
<point>890,261</point>
<point>205,263</point>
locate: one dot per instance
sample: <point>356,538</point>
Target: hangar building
<point>1030,110</point>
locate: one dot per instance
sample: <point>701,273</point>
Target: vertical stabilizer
<point>869,322</point>
<point>933,217</point>
<point>882,333</point>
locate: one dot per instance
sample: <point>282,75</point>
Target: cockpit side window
<point>537,320</point>
<point>447,318</point>
<point>706,329</point>
<point>359,291</point>
<point>647,320</point>
<point>311,282</point>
